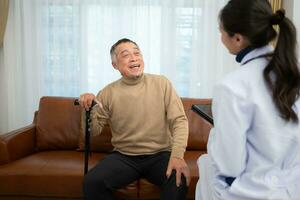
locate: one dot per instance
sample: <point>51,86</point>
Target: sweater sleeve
<point>99,116</point>
<point>177,120</point>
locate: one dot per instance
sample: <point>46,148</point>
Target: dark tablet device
<point>204,110</point>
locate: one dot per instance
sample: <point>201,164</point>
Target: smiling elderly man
<point>149,130</point>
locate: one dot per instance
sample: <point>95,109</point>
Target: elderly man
<point>149,130</point>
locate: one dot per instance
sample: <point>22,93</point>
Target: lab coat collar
<point>256,53</point>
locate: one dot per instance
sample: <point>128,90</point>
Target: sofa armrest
<point>17,144</point>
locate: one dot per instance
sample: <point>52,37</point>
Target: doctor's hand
<point>181,168</point>
<point>86,99</point>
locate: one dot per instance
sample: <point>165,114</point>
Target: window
<point>80,34</point>
<point>62,63</point>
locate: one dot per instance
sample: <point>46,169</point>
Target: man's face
<point>128,60</point>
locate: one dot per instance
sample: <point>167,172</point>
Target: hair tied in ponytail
<point>278,17</point>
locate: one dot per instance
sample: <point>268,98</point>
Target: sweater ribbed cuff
<point>178,153</point>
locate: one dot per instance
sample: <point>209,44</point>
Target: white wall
<point>290,6</point>
<point>296,19</point>
<point>3,122</point>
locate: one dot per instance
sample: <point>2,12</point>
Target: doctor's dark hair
<point>254,19</point>
<point>113,48</point>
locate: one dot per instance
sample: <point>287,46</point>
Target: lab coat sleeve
<point>232,112</point>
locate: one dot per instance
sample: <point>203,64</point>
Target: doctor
<point>254,148</point>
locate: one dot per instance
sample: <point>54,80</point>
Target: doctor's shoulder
<point>242,82</point>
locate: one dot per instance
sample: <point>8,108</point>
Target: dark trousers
<point>117,170</point>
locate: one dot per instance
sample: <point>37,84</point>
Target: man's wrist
<point>177,154</point>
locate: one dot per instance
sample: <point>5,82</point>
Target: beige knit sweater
<point>146,116</point>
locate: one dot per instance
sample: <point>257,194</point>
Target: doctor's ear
<point>241,40</point>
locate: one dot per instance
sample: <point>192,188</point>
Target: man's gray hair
<point>113,47</point>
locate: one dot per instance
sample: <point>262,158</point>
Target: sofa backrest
<point>198,127</point>
<point>59,124</point>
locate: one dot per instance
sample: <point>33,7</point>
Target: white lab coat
<point>250,141</point>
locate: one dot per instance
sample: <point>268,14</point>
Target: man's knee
<point>172,180</point>
<point>172,191</point>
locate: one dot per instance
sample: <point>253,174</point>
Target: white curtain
<point>61,48</point>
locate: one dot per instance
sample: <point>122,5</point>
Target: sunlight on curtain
<point>61,48</point>
<point>276,4</point>
<point>3,19</point>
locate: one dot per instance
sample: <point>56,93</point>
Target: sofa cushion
<point>58,124</point>
<point>45,174</point>
<point>52,174</point>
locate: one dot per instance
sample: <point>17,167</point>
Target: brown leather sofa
<point>42,161</point>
